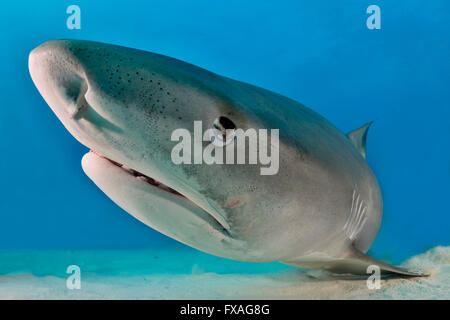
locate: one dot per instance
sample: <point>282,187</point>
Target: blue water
<point>317,52</point>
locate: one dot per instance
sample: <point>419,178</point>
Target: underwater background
<point>320,53</point>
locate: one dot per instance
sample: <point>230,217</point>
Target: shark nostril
<point>74,90</point>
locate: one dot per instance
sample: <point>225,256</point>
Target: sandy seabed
<point>188,274</point>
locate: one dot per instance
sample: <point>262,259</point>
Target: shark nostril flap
<point>74,89</point>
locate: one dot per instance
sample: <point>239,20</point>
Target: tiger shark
<point>322,209</point>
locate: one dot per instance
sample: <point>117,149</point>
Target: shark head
<point>125,105</point>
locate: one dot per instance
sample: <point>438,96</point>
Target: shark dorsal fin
<point>358,137</point>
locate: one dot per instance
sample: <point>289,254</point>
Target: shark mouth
<point>217,221</point>
<point>143,177</point>
<point>140,188</point>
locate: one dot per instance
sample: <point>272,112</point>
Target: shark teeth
<point>129,170</point>
<point>142,177</point>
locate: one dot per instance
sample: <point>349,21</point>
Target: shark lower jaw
<point>142,177</point>
<point>153,189</point>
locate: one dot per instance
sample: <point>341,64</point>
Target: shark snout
<point>60,78</point>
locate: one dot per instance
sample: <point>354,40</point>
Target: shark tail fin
<point>359,137</point>
<point>357,262</point>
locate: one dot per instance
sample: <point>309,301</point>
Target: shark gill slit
<point>357,217</point>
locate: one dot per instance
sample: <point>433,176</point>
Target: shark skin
<point>321,210</point>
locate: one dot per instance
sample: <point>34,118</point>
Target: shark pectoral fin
<point>356,262</point>
<point>358,137</point>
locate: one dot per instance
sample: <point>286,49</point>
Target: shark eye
<point>223,131</point>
